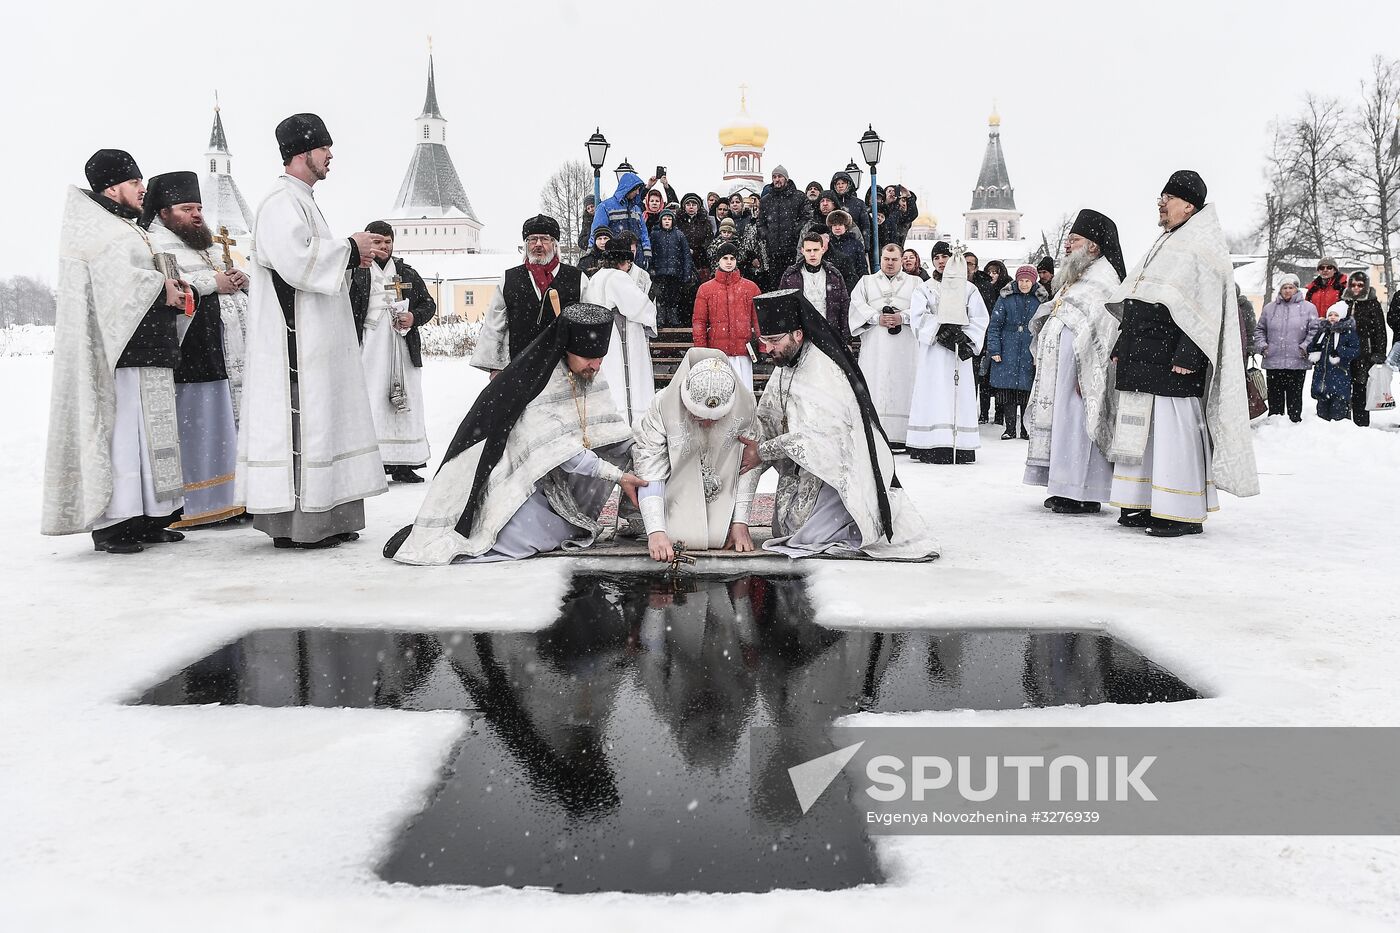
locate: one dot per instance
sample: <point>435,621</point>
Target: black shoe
<point>1067,506</point>
<point>1050,502</point>
<point>1008,435</point>
<point>1024,435</point>
<point>405,474</point>
<point>159,536</point>
<point>348,536</point>
<point>1136,518</point>
<point>965,456</point>
<point>288,543</point>
<point>1167,528</point>
<point>391,547</point>
<point>983,419</point>
<point>118,546</point>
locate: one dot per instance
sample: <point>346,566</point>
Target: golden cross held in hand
<point>398,286</point>
<point>224,240</point>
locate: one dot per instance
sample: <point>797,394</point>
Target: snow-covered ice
<point>118,817</point>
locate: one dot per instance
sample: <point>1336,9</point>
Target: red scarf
<point>543,275</point>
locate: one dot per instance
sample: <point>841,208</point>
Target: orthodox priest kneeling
<point>536,458</point>
<point>687,449</point>
<point>837,489</point>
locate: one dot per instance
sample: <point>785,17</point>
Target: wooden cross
<point>398,286</point>
<point>224,240</point>
<point>569,753</point>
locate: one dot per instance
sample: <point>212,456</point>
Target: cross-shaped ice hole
<point>609,751</point>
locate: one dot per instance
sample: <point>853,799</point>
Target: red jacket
<point>1324,293</point>
<point>724,315</point>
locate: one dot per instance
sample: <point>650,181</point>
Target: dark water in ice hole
<point>609,751</point>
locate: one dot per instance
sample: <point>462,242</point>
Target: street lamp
<point>623,168</point>
<point>870,146</point>
<point>597,147</point>
<point>854,171</point>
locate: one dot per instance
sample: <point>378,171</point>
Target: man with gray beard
<point>522,307</point>
<point>1070,415</point>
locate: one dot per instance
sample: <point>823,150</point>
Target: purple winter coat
<point>1284,331</point>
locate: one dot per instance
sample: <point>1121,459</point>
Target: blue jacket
<point>670,252</point>
<point>1009,336</point>
<point>1333,380</point>
<point>625,216</point>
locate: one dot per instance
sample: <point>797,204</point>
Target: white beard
<point>1072,268</point>
<point>542,262</point>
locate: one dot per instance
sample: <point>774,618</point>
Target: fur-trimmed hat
<point>839,216</point>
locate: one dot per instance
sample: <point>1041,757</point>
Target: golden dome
<point>744,131</point>
<point>926,220</point>
<point>995,118</point>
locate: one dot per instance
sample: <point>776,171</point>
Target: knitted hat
<point>1027,271</point>
<point>726,248</point>
<point>941,248</point>
<point>727,224</point>
<point>779,170</point>
<point>1289,279</point>
<point>1327,261</point>
<point>1046,265</point>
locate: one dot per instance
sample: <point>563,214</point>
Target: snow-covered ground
<point>117,817</point>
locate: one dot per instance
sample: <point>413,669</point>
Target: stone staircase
<point>669,348</point>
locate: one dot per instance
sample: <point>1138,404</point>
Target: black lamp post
<point>623,168</point>
<point>597,147</point>
<point>870,147</point>
<point>854,171</point>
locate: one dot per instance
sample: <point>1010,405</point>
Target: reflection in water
<point>610,751</point>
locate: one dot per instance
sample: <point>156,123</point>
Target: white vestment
<point>695,491</point>
<point>813,432</point>
<point>208,426</point>
<point>627,366</point>
<point>814,287</point>
<point>1071,410</point>
<point>887,360</point>
<point>107,282</point>
<point>339,453</point>
<point>532,469</point>
<point>403,436</point>
<point>1174,479</point>
<point>944,410</point>
<point>141,418</point>
<point>1188,270</point>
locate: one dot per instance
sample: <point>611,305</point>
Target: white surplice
<point>627,366</point>
<point>886,360</point>
<point>403,435</point>
<point>944,410</point>
<point>339,455</point>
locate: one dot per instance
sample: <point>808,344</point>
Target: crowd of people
<point>189,392</point>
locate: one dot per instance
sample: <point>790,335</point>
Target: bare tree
<point>562,198</point>
<point>26,300</point>
<point>1052,239</point>
<point>1373,174</point>
<point>1278,226</point>
<point>1317,161</point>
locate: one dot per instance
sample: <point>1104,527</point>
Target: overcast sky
<point>1099,101</point>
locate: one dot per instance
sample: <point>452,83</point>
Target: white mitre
<point>709,389</point>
